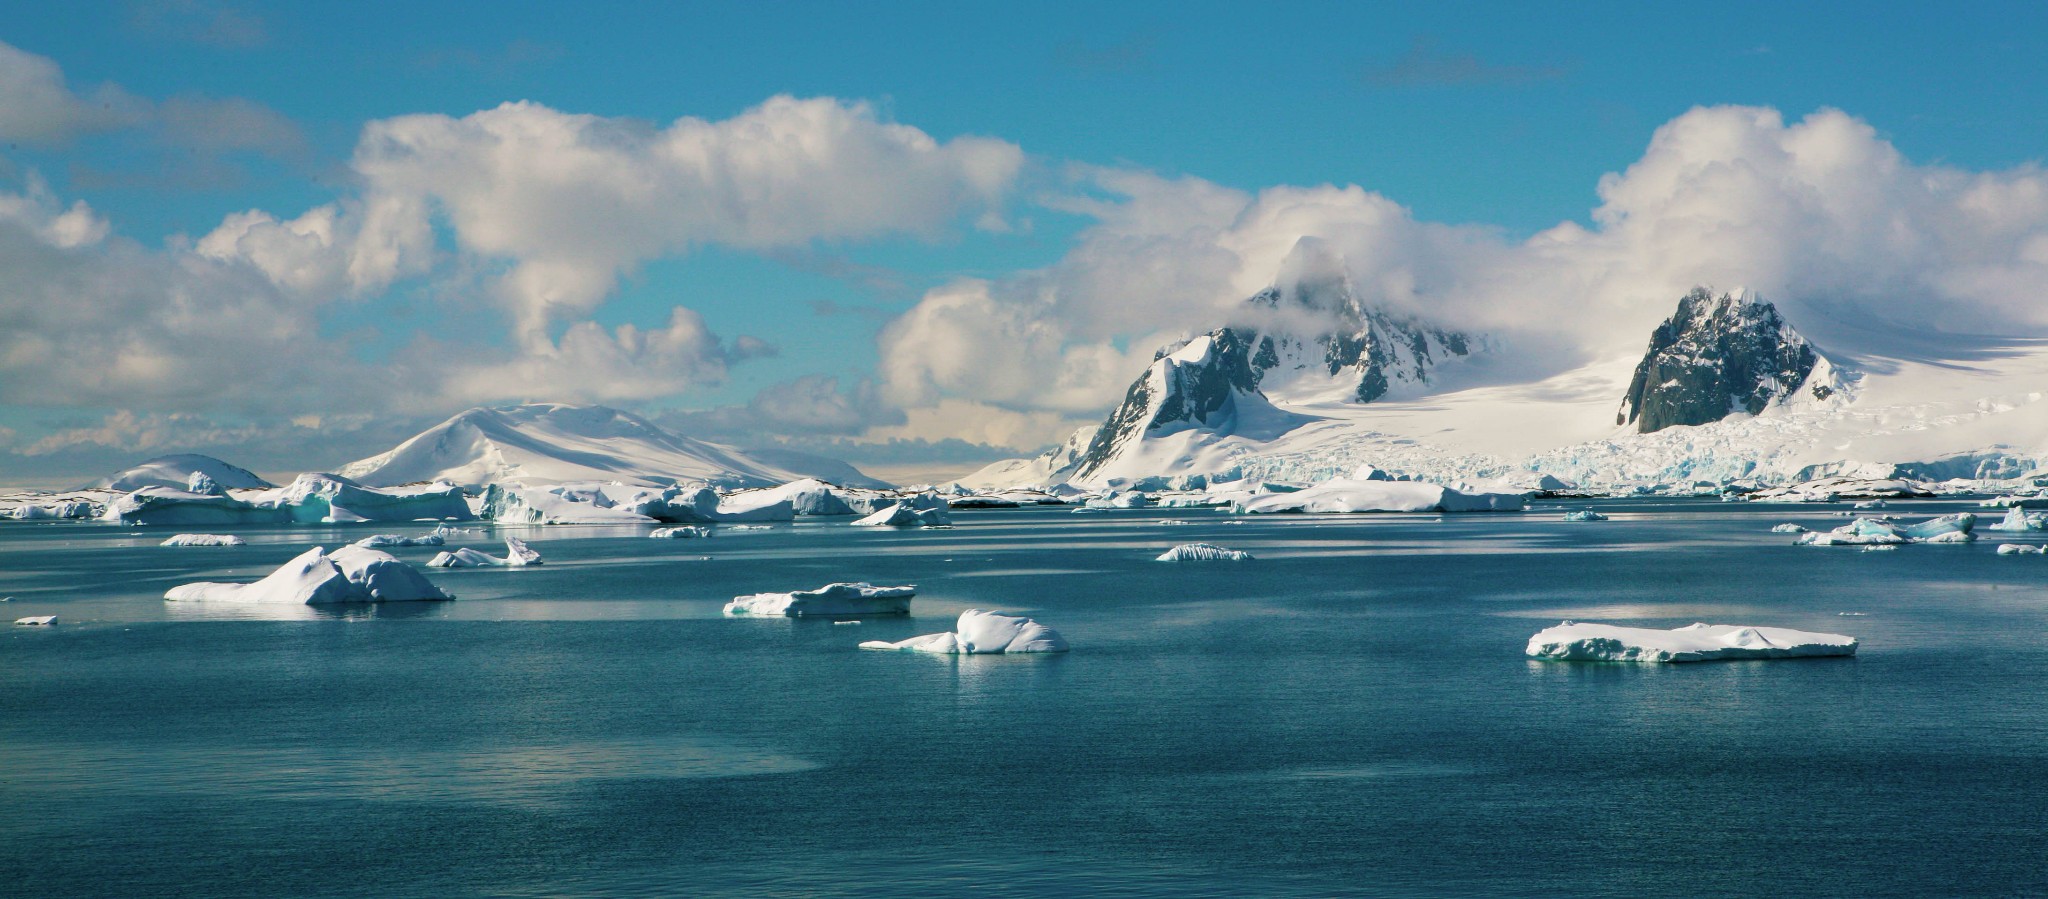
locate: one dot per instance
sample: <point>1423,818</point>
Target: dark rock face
<point>1712,358</point>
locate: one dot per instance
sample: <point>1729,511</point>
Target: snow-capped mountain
<point>1050,467</point>
<point>552,443</point>
<point>1306,339</point>
<point>1319,341</point>
<point>1718,356</point>
<point>176,470</point>
<point>1728,389</point>
<point>1192,395</point>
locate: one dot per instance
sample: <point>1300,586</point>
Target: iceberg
<point>900,515</point>
<point>811,496</point>
<point>593,503</point>
<point>1787,528</point>
<point>383,577</point>
<point>2017,519</point>
<point>1203,552</point>
<point>352,574</point>
<point>1346,495</point>
<point>204,540</point>
<point>679,533</point>
<point>1871,532</point>
<point>1574,642</point>
<point>36,621</point>
<point>517,555</point>
<point>376,540</point>
<point>54,511</point>
<point>1118,500</point>
<point>831,599</point>
<point>2021,549</point>
<point>980,632</point>
<point>1584,515</point>
<point>311,498</point>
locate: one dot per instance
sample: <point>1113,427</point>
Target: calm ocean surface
<point>1349,714</point>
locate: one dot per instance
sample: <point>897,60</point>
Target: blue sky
<point>1504,116</point>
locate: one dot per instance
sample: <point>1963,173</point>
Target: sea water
<point>1350,713</point>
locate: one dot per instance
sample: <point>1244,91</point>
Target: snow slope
<point>176,470</point>
<point>554,443</point>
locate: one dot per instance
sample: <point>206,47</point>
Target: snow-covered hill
<point>552,443</point>
<point>176,470</point>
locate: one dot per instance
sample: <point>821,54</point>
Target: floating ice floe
<point>375,541</point>
<point>1828,490</point>
<point>36,621</point>
<point>1880,547</point>
<point>1584,515</point>
<point>900,515</point>
<point>980,632</point>
<point>1346,495</point>
<point>350,574</point>
<point>204,540</point>
<point>1787,528</point>
<point>517,555</point>
<point>682,532</point>
<point>1172,522</point>
<point>1870,531</point>
<point>1203,552</point>
<point>1575,642</point>
<point>2021,549</point>
<point>1119,500</point>
<point>2017,519</point>
<point>831,599</point>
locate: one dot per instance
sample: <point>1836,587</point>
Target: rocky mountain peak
<point>1716,356</point>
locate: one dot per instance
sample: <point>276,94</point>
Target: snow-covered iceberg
<point>311,498</point>
<point>58,510</point>
<point>831,599</point>
<point>593,503</point>
<point>980,632</point>
<point>2021,549</point>
<point>1871,532</point>
<point>375,541</point>
<point>36,621</point>
<point>1576,642</point>
<point>1584,515</point>
<point>1347,495</point>
<point>899,515</point>
<point>517,555</point>
<point>1203,552</point>
<point>2017,519</point>
<point>351,574</point>
<point>681,532</point>
<point>1787,528</point>
<point>204,540</point>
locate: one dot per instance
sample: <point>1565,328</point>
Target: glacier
<point>1587,642</point>
<point>1346,495</point>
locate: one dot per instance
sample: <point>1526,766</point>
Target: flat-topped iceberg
<point>1576,642</point>
<point>1584,515</point>
<point>681,532</point>
<point>980,632</point>
<point>2021,549</point>
<point>351,574</point>
<point>591,503</point>
<point>204,540</point>
<point>1871,531</point>
<point>900,515</point>
<point>831,599</point>
<point>1347,495</point>
<point>1203,552</point>
<point>517,555</point>
<point>36,621</point>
